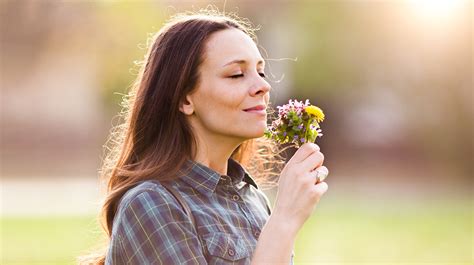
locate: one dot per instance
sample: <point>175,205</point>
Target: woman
<point>194,121</point>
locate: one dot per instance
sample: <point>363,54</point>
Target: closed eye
<point>241,75</point>
<point>237,76</point>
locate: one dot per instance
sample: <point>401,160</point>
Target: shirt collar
<point>205,179</point>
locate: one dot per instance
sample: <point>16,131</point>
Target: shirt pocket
<point>226,247</point>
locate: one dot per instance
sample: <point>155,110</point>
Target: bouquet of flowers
<point>297,123</point>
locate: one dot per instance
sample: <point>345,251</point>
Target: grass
<point>391,233</point>
<point>47,240</point>
<point>338,233</point>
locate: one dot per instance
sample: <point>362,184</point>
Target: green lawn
<point>52,240</point>
<point>338,233</point>
<point>388,233</point>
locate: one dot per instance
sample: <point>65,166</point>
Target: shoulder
<point>148,186</point>
<point>144,187</point>
<point>149,220</point>
<point>148,196</point>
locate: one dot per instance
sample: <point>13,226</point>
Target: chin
<point>246,131</point>
<point>256,133</point>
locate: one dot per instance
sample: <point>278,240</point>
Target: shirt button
<point>231,252</point>
<point>256,233</point>
<point>235,197</point>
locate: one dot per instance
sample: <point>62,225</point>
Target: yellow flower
<point>315,112</point>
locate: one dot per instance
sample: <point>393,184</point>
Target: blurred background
<point>393,77</point>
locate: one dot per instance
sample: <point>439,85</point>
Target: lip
<point>257,108</point>
<point>260,110</point>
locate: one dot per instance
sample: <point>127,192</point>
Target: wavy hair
<point>153,139</point>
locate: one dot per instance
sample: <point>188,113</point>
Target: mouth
<point>259,109</point>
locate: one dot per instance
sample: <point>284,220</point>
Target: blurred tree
<point>124,31</point>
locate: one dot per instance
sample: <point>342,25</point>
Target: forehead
<point>230,44</point>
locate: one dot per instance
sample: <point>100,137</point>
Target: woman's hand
<point>299,189</point>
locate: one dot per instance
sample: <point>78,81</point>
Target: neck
<point>214,150</point>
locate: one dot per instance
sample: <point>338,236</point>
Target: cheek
<point>223,100</point>
<point>222,108</point>
<point>226,110</point>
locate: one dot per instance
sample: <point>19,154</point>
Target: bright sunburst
<point>437,9</point>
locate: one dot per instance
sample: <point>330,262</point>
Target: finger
<point>321,188</point>
<point>303,152</point>
<point>313,161</point>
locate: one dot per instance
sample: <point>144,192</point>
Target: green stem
<point>306,131</point>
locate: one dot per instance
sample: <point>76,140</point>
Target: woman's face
<point>231,81</point>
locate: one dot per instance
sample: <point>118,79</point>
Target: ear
<point>187,106</point>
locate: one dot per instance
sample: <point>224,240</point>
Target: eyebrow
<point>240,61</point>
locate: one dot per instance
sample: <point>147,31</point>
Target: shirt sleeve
<point>154,229</point>
<point>266,202</point>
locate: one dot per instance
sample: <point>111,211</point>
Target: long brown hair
<point>154,139</point>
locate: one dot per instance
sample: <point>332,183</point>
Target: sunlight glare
<point>437,9</point>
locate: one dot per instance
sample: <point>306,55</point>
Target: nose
<point>261,86</point>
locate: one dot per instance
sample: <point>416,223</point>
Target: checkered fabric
<point>151,227</point>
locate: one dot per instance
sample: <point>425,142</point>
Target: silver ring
<point>320,176</point>
<point>317,175</point>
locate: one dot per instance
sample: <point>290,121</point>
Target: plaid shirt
<point>151,227</point>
